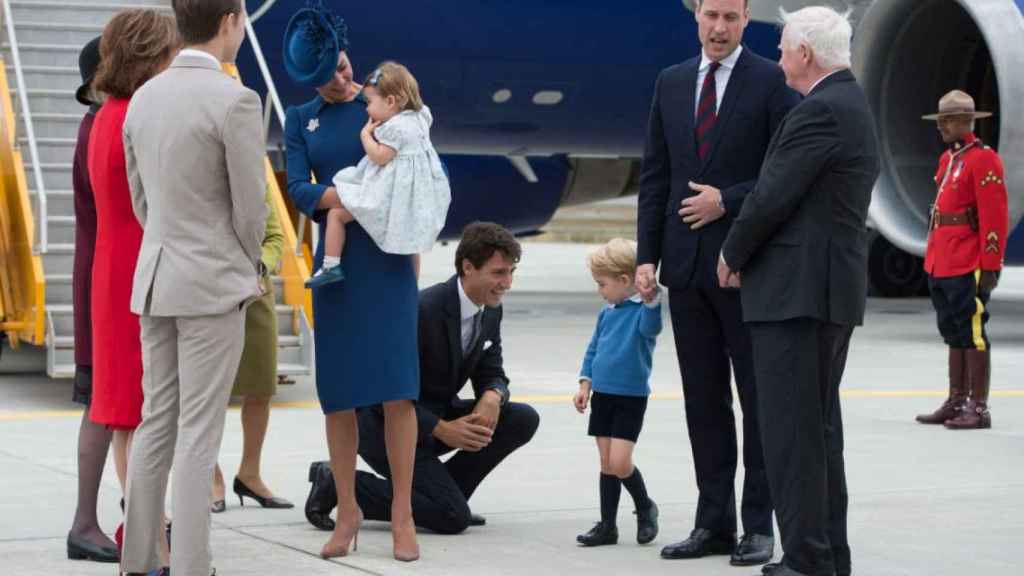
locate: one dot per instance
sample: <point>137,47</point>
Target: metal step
<point>61,229</point>
<point>42,32</point>
<point>59,259</point>
<point>52,150</point>
<point>49,101</point>
<point>62,126</point>
<point>58,202</point>
<point>95,13</point>
<point>64,77</point>
<point>56,175</point>
<point>58,289</point>
<point>42,54</point>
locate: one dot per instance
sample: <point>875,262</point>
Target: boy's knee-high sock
<point>635,485</point>
<point>611,488</point>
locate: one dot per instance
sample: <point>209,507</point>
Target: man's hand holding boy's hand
<point>651,296</point>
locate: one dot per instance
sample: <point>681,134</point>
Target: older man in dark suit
<point>710,124</point>
<point>800,244</point>
<point>459,342</point>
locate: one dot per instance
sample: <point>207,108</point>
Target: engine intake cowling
<point>907,54</point>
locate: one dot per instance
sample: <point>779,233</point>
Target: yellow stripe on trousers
<point>979,311</point>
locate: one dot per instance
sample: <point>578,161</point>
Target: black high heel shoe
<point>82,549</point>
<point>273,502</point>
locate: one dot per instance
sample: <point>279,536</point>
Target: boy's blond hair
<point>614,259</point>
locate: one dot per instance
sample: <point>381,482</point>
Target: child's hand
<point>650,295</point>
<point>582,397</point>
<point>370,126</point>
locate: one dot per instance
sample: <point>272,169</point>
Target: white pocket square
<point>488,344</point>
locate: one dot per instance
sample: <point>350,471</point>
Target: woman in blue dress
<point>365,327</point>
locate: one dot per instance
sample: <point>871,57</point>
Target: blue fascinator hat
<point>312,40</point>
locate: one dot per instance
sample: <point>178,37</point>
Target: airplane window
<point>548,97</point>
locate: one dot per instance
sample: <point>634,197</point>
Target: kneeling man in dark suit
<point>459,342</point>
<point>800,244</point>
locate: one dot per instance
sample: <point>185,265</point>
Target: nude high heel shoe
<point>408,552</point>
<point>349,536</point>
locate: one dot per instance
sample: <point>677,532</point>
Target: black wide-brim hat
<point>88,62</point>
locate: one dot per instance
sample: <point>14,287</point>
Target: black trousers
<point>961,310</point>
<point>440,490</point>
<point>799,365</point>
<point>709,333</point>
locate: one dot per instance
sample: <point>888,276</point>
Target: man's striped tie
<point>707,112</point>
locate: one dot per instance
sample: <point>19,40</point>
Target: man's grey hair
<point>826,32</point>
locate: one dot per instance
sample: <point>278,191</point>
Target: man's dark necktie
<point>474,334</point>
<point>707,112</point>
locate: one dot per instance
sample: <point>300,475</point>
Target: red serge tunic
<point>117,349</point>
<point>974,180</point>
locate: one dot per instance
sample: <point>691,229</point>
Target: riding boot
<point>975,414</point>
<point>954,403</point>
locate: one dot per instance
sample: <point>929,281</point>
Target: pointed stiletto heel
<point>272,502</point>
<point>351,542</point>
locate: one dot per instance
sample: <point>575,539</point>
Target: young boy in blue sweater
<point>614,378</point>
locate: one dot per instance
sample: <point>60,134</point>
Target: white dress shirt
<point>200,54</point>
<point>467,311</point>
<point>721,76</point>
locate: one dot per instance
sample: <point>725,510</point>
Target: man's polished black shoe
<point>647,523</point>
<point>752,550</point>
<point>322,496</point>
<point>702,542</point>
<point>82,549</point>
<point>774,568</point>
<point>476,520</point>
<point>600,535</point>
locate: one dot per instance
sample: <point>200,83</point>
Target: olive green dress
<point>257,372</point>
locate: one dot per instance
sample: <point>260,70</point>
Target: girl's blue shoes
<point>326,276</point>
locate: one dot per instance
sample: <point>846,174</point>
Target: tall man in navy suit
<point>710,124</point>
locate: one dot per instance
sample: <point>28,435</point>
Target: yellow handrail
<point>22,282</point>
<point>294,270</point>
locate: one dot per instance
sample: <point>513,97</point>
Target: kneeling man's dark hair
<point>480,240</point>
<point>199,20</point>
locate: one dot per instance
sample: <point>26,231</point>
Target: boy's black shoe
<point>647,523</point>
<point>600,535</point>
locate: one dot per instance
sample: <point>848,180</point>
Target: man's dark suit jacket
<point>755,101</point>
<point>443,369</point>
<point>800,240</point>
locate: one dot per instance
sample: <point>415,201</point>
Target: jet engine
<point>907,54</point>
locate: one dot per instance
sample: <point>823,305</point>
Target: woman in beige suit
<point>256,381</point>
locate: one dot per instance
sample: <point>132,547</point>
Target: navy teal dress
<point>365,327</point>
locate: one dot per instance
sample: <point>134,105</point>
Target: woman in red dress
<point>135,46</point>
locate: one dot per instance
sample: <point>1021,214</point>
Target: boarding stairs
<point>48,35</point>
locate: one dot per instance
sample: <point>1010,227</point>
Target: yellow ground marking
<point>28,415</point>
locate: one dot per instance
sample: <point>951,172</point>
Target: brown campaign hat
<point>956,103</point>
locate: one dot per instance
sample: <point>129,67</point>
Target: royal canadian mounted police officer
<point>966,244</point>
